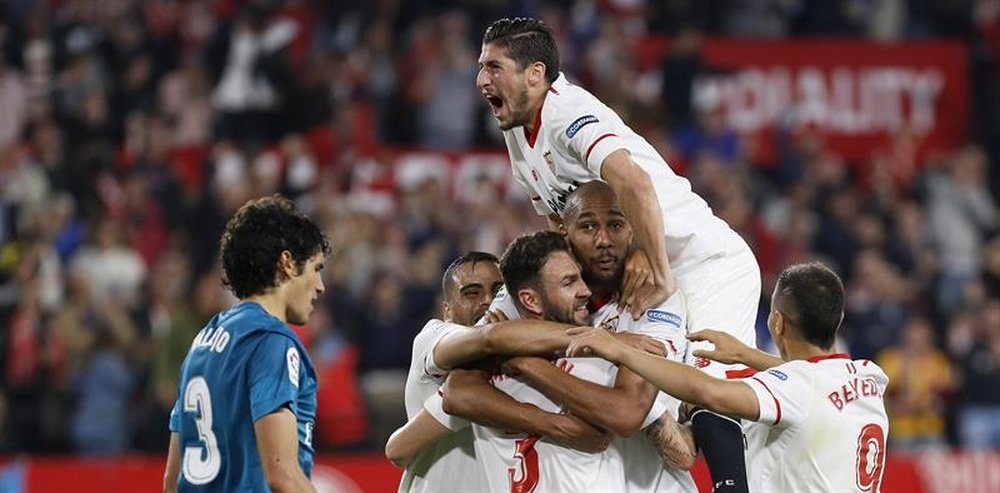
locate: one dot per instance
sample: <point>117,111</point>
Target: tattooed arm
<point>673,441</point>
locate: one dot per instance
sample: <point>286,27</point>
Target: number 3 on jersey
<point>200,464</point>
<point>871,457</point>
<point>527,457</point>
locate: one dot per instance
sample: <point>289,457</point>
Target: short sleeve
<point>273,369</point>
<point>781,393</point>
<point>430,367</point>
<point>590,134</point>
<point>175,417</point>
<point>667,323</point>
<point>435,406</point>
<point>504,303</point>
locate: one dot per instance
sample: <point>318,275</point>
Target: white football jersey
<point>644,468</point>
<point>574,133</point>
<point>518,463</point>
<point>822,424</point>
<point>450,463</point>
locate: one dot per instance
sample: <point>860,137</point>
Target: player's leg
<point>722,294</point>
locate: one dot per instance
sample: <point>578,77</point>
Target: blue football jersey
<point>244,365</point>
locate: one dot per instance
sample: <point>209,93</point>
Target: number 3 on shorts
<point>198,470</point>
<point>871,457</point>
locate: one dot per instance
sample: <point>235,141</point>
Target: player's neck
<point>272,302</point>
<point>534,111</point>
<point>799,349</point>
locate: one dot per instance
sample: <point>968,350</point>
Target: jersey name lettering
<point>215,339</point>
<point>853,390</point>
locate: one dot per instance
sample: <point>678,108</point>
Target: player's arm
<point>731,398</point>
<point>405,443</point>
<point>173,464</point>
<point>592,402</point>
<point>278,446</point>
<point>730,350</point>
<point>509,337</point>
<point>673,441</point>
<point>471,396</point>
<point>639,203</point>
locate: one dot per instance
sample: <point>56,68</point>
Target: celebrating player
<point>822,414</point>
<point>599,236</point>
<point>449,464</point>
<point>559,136</point>
<point>246,402</point>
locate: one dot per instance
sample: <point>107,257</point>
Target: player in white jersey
<point>559,136</point>
<point>545,283</point>
<point>824,413</point>
<point>599,236</point>
<point>449,464</point>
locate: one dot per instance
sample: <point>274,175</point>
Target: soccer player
<point>449,464</point>
<point>599,236</point>
<point>559,136</point>
<point>246,401</point>
<point>823,414</point>
<point>545,283</point>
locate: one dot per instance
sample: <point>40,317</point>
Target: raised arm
<point>641,206</point>
<point>731,398</point>
<point>514,337</point>
<point>594,403</point>
<point>471,396</point>
<point>729,350</point>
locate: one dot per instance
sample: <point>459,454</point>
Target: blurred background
<point>858,132</point>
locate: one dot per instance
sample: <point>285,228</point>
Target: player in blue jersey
<point>246,402</point>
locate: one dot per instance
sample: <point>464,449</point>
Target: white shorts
<point>723,293</point>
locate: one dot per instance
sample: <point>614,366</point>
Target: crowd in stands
<point>131,130</point>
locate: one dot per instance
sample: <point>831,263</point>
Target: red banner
<point>859,95</point>
<point>943,472</point>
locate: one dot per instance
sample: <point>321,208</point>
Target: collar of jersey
<point>817,359</point>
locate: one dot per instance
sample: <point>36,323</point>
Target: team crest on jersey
<point>581,122</point>
<point>779,375</point>
<point>292,356</point>
<point>610,324</point>
<point>664,317</point>
<point>549,161</point>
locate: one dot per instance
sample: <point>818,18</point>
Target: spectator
<point>919,381</point>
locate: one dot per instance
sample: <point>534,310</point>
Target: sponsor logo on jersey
<point>578,124</point>
<point>779,375</point>
<point>292,356</point>
<point>610,324</point>
<point>665,317</point>
<point>558,203</point>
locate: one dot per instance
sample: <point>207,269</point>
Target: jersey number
<point>871,457</point>
<point>527,458</point>
<point>201,464</point>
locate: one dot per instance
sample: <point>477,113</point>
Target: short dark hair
<point>254,238</point>
<point>526,40</point>
<point>812,297</point>
<point>521,264</point>
<point>469,258</point>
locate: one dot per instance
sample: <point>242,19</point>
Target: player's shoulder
<point>671,312</point>
<point>796,371</point>
<point>569,107</point>
<point>869,368</point>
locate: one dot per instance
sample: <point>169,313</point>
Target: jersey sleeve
<point>273,371</point>
<point>504,303</point>
<point>175,417</point>
<point>781,394</point>
<point>589,133</point>
<point>442,330</point>
<point>435,406</point>
<point>666,323</point>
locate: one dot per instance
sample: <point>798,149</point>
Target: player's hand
<point>575,433</point>
<point>638,274</point>
<point>495,316</point>
<point>591,341</point>
<point>642,343</point>
<point>728,349</point>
